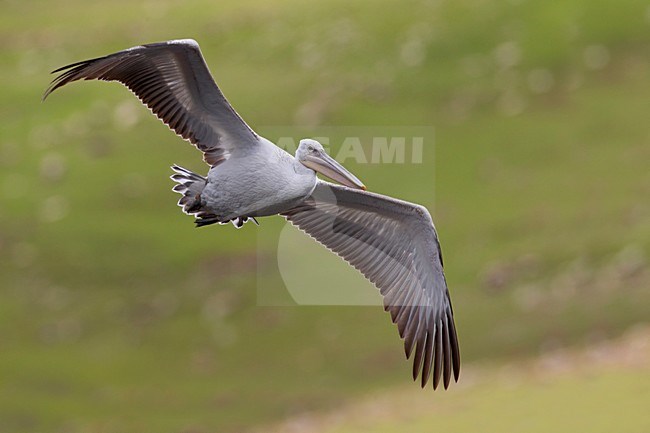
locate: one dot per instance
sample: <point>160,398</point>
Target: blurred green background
<point>116,315</point>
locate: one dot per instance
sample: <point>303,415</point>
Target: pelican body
<point>272,181</point>
<point>393,243</point>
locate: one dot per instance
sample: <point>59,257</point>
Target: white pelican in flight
<point>393,243</point>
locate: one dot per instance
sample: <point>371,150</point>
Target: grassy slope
<point>598,389</point>
<point>113,303</point>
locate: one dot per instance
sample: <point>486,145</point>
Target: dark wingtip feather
<point>446,352</point>
<point>428,354</point>
<point>75,64</point>
<point>455,350</point>
<point>417,359</point>
<point>437,359</point>
<point>409,338</point>
<point>67,76</point>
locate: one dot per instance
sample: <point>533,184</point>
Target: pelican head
<point>311,154</point>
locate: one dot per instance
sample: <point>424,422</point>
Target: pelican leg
<point>240,221</point>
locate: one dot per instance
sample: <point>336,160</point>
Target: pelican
<point>393,243</point>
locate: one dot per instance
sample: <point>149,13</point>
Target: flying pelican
<point>393,243</point>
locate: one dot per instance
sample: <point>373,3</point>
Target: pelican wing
<point>173,80</point>
<point>394,244</point>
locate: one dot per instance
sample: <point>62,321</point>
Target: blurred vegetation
<point>560,391</point>
<point>117,315</point>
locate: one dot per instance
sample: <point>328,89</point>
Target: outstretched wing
<point>394,244</point>
<point>172,79</point>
